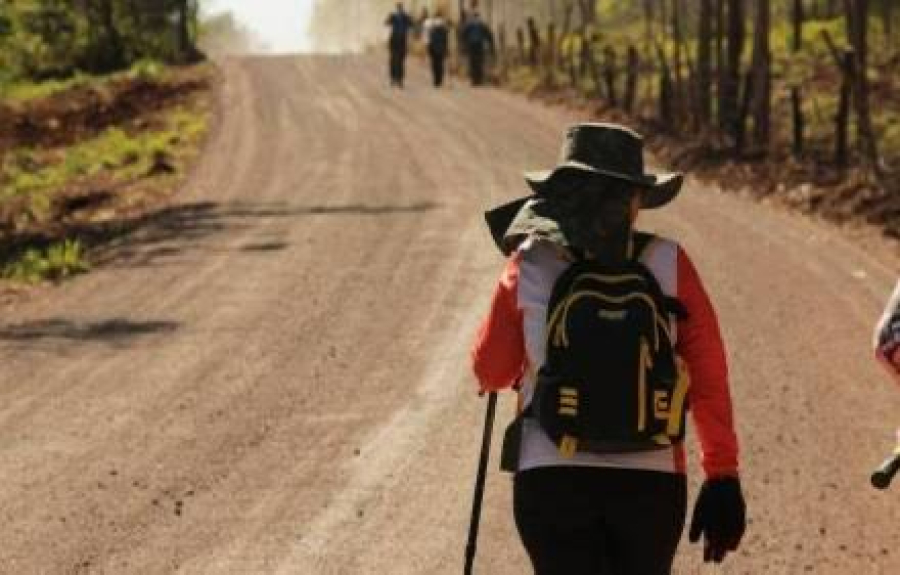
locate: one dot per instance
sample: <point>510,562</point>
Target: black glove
<point>720,516</point>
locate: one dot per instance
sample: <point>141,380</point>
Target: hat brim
<point>500,219</point>
<point>531,216</point>
<point>660,189</point>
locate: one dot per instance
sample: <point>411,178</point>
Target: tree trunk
<point>857,23</point>
<point>107,53</point>
<point>648,23</point>
<point>762,80</point>
<point>704,64</point>
<point>721,66</point>
<point>844,62</point>
<point>534,47</point>
<point>187,52</point>
<point>732,76</point>
<point>588,12</point>
<point>665,90</point>
<point>631,78</point>
<point>740,134</point>
<point>609,71</point>
<point>520,44</point>
<point>842,117</point>
<point>550,56</point>
<point>887,20</point>
<point>677,42</point>
<point>796,94</point>
<point>567,57</point>
<point>593,66</point>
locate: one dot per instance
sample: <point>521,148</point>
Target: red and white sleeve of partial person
<point>700,346</point>
<point>498,355</point>
<point>887,336</point>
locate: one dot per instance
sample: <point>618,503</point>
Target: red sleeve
<point>498,355</point>
<point>700,346</point>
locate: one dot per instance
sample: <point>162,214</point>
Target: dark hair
<point>595,214</point>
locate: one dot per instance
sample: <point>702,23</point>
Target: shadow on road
<point>148,239</point>
<point>173,231</point>
<point>114,331</point>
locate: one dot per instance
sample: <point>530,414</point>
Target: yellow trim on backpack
<point>567,401</point>
<point>557,333</point>
<point>662,439</point>
<point>568,446</point>
<point>676,407</point>
<point>645,364</point>
<point>618,279</point>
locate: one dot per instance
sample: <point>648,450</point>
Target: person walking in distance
<point>609,337</point>
<point>400,24</point>
<point>478,41</point>
<point>437,36</point>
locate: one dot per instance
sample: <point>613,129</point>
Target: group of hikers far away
<point>609,338</point>
<point>476,41</point>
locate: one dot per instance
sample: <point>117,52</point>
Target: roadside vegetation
<point>104,105</point>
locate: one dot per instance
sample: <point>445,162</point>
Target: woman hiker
<point>608,335</point>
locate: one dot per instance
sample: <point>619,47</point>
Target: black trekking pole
<point>881,478</point>
<point>479,482</point>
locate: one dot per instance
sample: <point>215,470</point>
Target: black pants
<point>437,67</point>
<point>600,521</point>
<point>398,59</point>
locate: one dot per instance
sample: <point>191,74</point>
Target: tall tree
<point>762,75</point>
<point>887,19</point>
<point>796,93</point>
<point>704,63</point>
<point>857,12</point>
<point>187,14</point>
<point>730,89</point>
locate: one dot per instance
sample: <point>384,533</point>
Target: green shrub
<point>58,261</point>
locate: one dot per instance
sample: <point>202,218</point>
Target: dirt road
<point>272,377</point>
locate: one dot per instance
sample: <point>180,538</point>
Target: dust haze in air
<point>257,27</point>
<point>300,26</point>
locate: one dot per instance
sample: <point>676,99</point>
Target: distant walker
<point>437,36</point>
<point>400,24</point>
<point>477,40</point>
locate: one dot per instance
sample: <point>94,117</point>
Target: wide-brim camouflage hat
<point>600,149</point>
<point>609,150</point>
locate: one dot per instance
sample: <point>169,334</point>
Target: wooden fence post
<point>631,78</point>
<point>550,56</point>
<point>842,118</point>
<point>665,89</point>
<point>609,69</point>
<point>845,63</point>
<point>520,46</point>
<point>534,44</point>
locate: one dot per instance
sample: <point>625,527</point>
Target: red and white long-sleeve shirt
<point>510,348</point>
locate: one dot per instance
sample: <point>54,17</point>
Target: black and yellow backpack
<point>611,381</point>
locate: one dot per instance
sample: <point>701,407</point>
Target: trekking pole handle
<point>479,482</point>
<point>881,478</point>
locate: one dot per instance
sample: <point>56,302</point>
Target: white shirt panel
<point>540,266</point>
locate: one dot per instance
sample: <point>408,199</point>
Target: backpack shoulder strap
<point>641,242</point>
